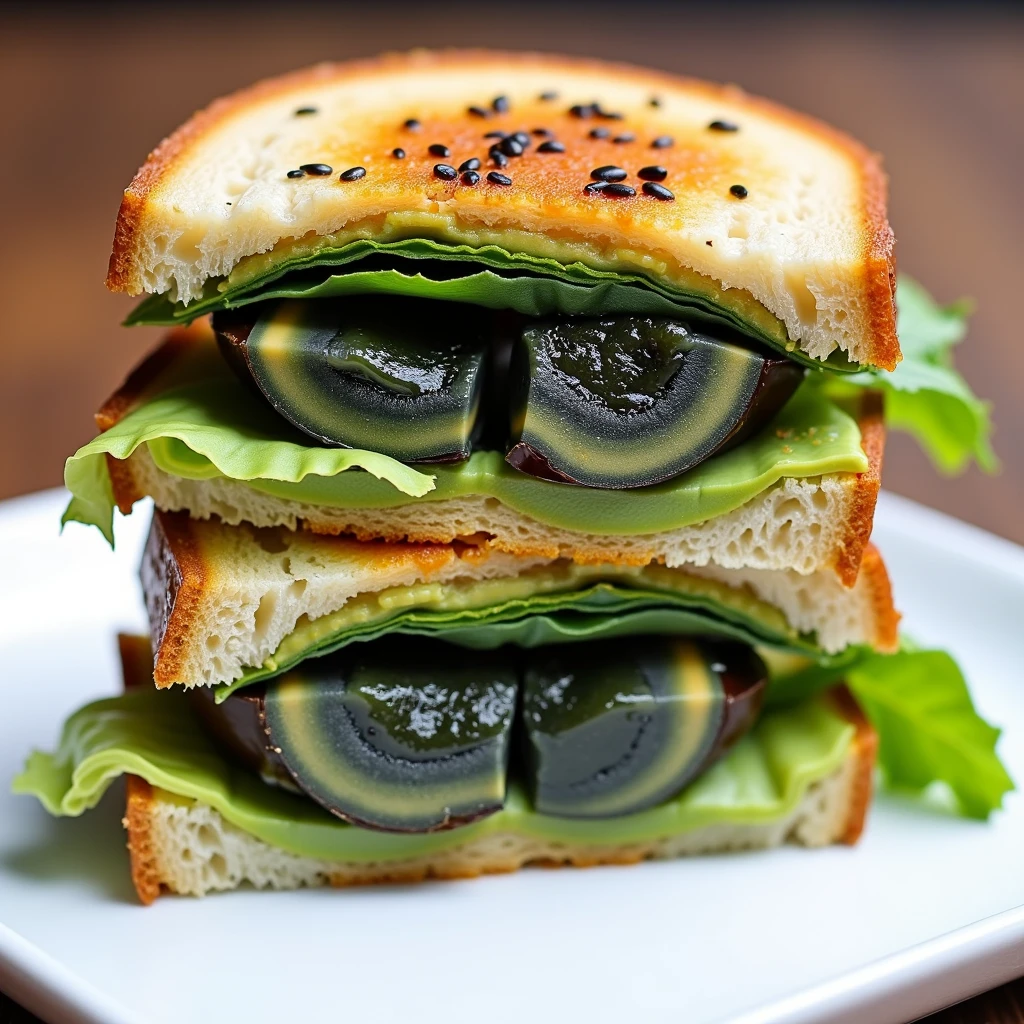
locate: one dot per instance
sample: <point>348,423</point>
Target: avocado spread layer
<point>155,735</point>
<point>199,422</point>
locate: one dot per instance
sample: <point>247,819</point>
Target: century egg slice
<point>615,727</point>
<point>396,376</point>
<point>631,401</point>
<point>414,739</point>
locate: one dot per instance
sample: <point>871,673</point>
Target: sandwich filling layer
<point>198,422</point>
<point>156,736</point>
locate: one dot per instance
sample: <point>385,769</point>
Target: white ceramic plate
<point>917,916</point>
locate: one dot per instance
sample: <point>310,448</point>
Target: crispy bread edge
<point>885,616</point>
<point>175,581</point>
<point>879,272</point>
<point>865,751</point>
<point>871,421</point>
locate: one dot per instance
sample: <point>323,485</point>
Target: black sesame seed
<point>583,110</point>
<point>497,157</point>
<point>542,132</point>
<point>305,111</point>
<point>652,188</point>
<point>499,179</point>
<point>353,174</point>
<point>495,135</point>
<point>319,169</point>
<point>738,191</point>
<point>472,164</point>
<point>445,171</point>
<point>511,147</point>
<point>625,137</point>
<point>609,172</point>
<point>709,242</point>
<point>398,153</point>
<point>723,126</point>
<point>595,186</point>
<point>653,173</point>
<point>609,115</point>
<point>662,142</point>
<point>412,125</point>
<point>438,149</point>
<point>551,146</point>
<point>500,104</point>
<point>470,177</point>
<point>522,138</point>
<point>548,96</point>
<point>599,133</point>
<point>295,174</point>
<point>475,111</point>
<point>654,102</point>
<point>618,191</point>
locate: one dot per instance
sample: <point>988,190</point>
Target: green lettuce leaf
<point>928,729</point>
<point>925,395</point>
<point>206,410</point>
<point>486,276</point>
<point>199,422</point>
<point>153,734</point>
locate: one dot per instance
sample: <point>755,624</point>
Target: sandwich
<point>513,451</point>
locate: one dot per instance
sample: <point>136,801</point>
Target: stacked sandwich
<point>514,452</point>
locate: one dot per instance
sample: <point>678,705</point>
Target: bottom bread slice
<point>183,846</point>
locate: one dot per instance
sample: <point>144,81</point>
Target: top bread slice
<point>805,238</point>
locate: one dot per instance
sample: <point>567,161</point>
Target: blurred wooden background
<point>88,91</point>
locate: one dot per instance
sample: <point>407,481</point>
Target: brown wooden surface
<point>87,94</point>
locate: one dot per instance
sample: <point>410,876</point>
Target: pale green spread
<point>153,734</point>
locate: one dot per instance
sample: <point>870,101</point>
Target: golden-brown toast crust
<point>865,752</point>
<point>550,177</point>
<point>871,420</point>
<point>141,850</point>
<point>886,618</point>
<point>175,595</point>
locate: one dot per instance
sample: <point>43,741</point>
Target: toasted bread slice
<point>782,218</point>
<point>183,846</point>
<point>222,598</point>
<point>807,525</point>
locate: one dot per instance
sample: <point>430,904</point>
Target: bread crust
<point>886,618</point>
<point>864,753</point>
<point>174,581</point>
<point>871,421</point>
<point>874,262</point>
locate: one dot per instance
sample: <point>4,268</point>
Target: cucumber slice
<point>614,728</point>
<point>415,740</point>
<point>403,378</point>
<point>629,402</point>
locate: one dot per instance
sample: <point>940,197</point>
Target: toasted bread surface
<point>808,242</point>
